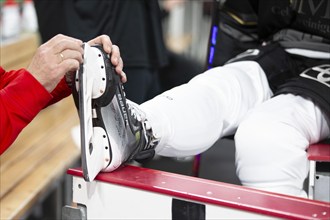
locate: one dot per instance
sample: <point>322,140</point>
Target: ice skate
<point>113,130</point>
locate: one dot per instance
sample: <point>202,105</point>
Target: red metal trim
<point>213,192</point>
<point>319,152</point>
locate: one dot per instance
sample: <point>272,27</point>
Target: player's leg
<point>271,143</point>
<point>190,118</point>
<point>183,121</point>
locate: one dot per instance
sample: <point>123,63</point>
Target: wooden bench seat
<point>17,53</point>
<point>39,157</point>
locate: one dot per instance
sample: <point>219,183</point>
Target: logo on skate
<point>123,108</point>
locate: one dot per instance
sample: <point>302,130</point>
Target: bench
<point>319,172</point>
<point>17,53</point>
<point>34,167</point>
<point>36,163</point>
<point>133,192</point>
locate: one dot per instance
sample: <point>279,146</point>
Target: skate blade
<point>94,141</point>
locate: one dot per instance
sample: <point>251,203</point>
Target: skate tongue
<point>92,154</point>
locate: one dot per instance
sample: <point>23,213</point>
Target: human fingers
<point>59,37</point>
<point>103,40</point>
<point>123,77</point>
<point>120,72</point>
<point>109,48</point>
<point>60,43</point>
<point>117,61</point>
<point>115,55</point>
<point>71,54</point>
<point>68,65</point>
<point>48,65</point>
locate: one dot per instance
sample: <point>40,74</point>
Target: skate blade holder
<point>91,84</point>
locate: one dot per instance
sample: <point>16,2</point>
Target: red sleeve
<point>22,97</point>
<point>61,91</point>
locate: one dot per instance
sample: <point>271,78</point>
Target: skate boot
<point>113,130</point>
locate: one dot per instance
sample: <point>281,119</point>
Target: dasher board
<point>319,152</point>
<point>133,192</point>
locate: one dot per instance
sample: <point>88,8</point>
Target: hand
<point>109,48</point>
<point>54,59</point>
<point>171,4</point>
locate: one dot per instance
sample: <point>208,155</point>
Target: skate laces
<point>136,113</point>
<point>150,140</point>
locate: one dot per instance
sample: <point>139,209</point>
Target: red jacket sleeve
<point>61,91</point>
<point>22,97</point>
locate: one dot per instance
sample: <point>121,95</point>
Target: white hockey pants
<point>272,134</point>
